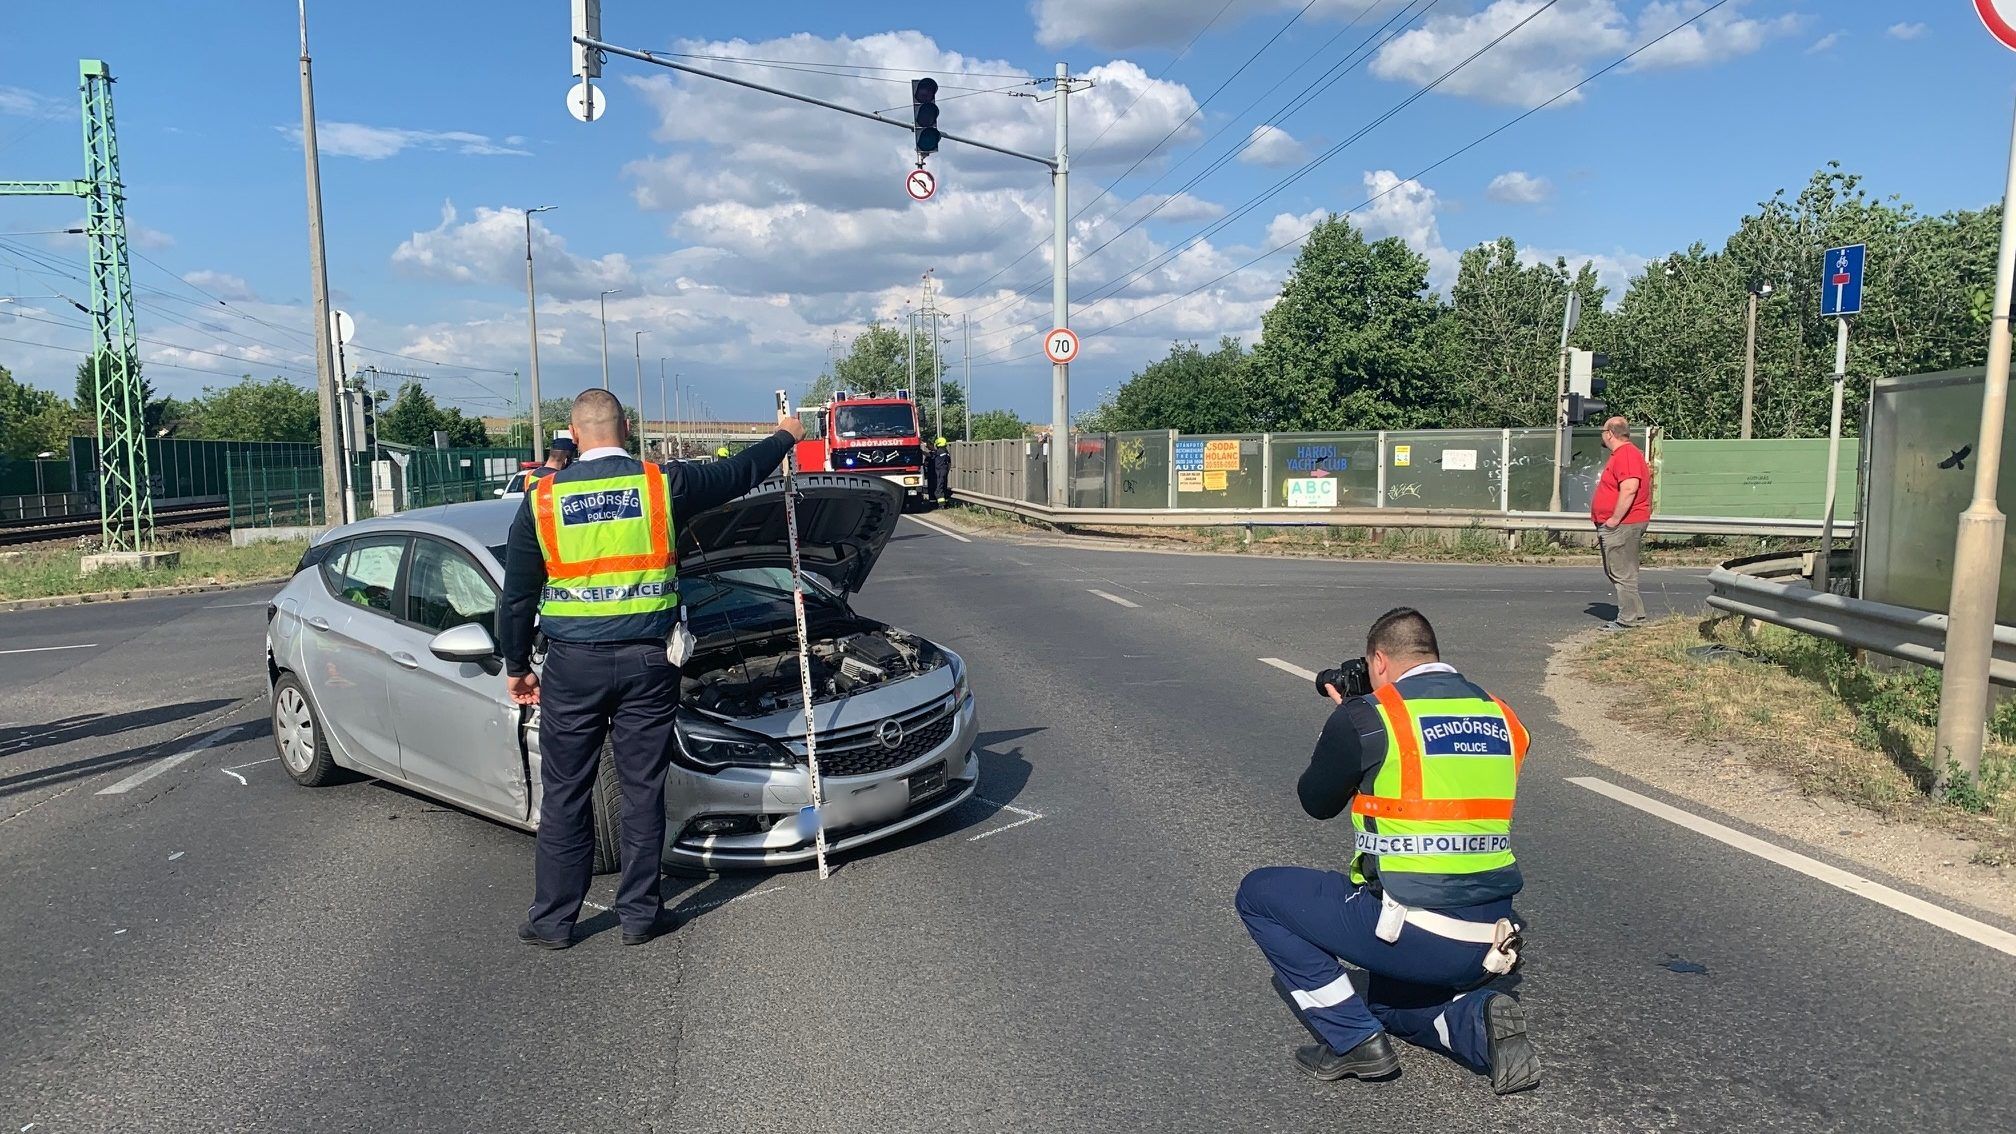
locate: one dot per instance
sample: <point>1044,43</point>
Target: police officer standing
<point>1428,764</point>
<point>558,456</point>
<point>592,552</point>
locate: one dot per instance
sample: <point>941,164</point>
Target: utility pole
<point>643,423</point>
<point>1569,317</point>
<point>603,302</point>
<point>532,328</point>
<point>1060,287</point>
<point>910,346</point>
<point>335,461</point>
<point>1750,355</point>
<point>1977,546</point>
<point>665,419</point>
<point>679,414</point>
<point>966,333</point>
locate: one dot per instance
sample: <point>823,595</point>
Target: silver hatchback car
<point>381,659</point>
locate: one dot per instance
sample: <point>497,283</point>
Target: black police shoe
<point>1515,1065</point>
<point>1372,1059</point>
<point>665,924</point>
<point>530,937</point>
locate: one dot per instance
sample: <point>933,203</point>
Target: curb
<point>50,601</point>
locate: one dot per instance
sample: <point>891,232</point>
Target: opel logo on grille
<point>891,733</point>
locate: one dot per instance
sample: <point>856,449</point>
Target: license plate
<point>927,783</point>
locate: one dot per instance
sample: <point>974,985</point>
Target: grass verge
<point>1456,545</point>
<point>43,572</point>
<point>1809,708</point>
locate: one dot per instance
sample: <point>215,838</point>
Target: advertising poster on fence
<point>1312,492</point>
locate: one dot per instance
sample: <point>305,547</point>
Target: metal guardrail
<point>1752,587</point>
<point>1507,522</point>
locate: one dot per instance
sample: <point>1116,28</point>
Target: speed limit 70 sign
<point>1061,345</point>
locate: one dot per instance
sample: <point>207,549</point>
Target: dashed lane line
<point>1290,668</point>
<point>1113,598</point>
<point>164,764</point>
<point>48,649</point>
<point>941,531</point>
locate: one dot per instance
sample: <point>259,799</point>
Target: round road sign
<point>1999,17</point>
<point>341,327</point>
<point>586,103</point>
<point>1061,345</point>
<point>920,184</point>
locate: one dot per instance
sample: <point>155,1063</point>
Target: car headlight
<point>962,691</point>
<point>710,745</point>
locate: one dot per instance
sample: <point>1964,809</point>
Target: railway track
<point>188,517</point>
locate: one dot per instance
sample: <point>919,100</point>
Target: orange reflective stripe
<point>659,522</point>
<point>1520,739</point>
<point>1401,723</point>
<point>1431,810</point>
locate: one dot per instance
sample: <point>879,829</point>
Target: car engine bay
<point>764,677</point>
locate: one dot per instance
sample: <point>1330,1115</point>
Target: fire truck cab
<point>875,434</point>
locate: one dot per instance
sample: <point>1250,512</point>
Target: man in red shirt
<point>1621,508</point>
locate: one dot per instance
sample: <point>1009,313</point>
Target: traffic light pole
<point>1568,317</point>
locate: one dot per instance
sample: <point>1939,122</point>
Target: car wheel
<point>304,751</point>
<point>606,805</point>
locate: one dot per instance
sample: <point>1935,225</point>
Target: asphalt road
<point>216,948</point>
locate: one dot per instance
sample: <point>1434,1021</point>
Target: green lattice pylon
<point>125,494</point>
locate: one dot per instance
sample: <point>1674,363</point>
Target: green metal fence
<point>267,495</point>
<point>183,470</point>
<point>452,476</point>
<point>26,476</point>
<point>1774,478</point>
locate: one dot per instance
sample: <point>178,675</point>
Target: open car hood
<point>844,522</point>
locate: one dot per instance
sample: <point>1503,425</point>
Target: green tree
<point>878,362</point>
<point>32,421</point>
<point>999,425</point>
<point>273,409</point>
<point>1498,345</point>
<point>1188,390</point>
<point>87,398</point>
<point>413,417</point>
<point>1347,345</point>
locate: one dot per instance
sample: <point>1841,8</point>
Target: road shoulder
<point>1722,777</point>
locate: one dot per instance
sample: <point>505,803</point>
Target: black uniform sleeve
<point>1353,743</point>
<point>524,578</point>
<point>710,484</point>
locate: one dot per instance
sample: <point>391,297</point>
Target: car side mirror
<point>468,642</point>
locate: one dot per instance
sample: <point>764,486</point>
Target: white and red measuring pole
<point>809,816</point>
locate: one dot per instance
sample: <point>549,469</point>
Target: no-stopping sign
<point>1061,345</point>
<point>1999,17</point>
<point>920,184</point>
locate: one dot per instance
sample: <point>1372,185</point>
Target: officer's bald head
<point>1403,634</point>
<point>598,419</point>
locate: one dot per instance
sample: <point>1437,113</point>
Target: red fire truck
<point>877,434</point>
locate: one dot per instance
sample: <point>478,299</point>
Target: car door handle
<point>317,622</point>
<point>406,659</point>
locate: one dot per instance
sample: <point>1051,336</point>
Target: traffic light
<point>1584,385</point>
<point>370,420</point>
<point>924,113</point>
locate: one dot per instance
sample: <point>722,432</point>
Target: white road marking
<point>176,855</point>
<point>241,779</point>
<point>703,906</point>
<point>595,905</point>
<point>1882,895</point>
<point>233,605</point>
<point>939,530</point>
<point>232,771</point>
<point>1112,598</point>
<point>168,762</point>
<point>1028,817</point>
<point>1288,667</point>
<point>47,649</point>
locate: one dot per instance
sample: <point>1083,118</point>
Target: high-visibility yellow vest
<point>608,545</point>
<point>1441,803</point>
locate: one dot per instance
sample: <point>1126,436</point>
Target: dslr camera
<point>1351,679</point>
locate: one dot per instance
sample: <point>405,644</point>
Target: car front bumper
<point>858,809</point>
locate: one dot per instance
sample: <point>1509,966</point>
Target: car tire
<point>298,737</point>
<point>606,806</point>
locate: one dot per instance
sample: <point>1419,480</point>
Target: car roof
<point>485,523</point>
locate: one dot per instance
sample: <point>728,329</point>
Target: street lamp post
<point>532,325</point>
<point>603,302</point>
<point>1750,355</point>
<point>637,346</point>
<point>39,489</point>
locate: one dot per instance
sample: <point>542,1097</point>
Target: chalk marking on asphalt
<point>48,649</point>
<point>1289,667</point>
<point>705,906</point>
<point>939,530</point>
<point>595,905</point>
<point>1028,817</point>
<point>1882,895</point>
<point>232,771</point>
<point>1113,598</point>
<point>168,762</point>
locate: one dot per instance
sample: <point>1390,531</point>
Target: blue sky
<point>744,232</point>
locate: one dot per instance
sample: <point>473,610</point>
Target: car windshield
<point>893,420</point>
<point>746,598</point>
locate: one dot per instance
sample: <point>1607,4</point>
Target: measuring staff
<point>593,553</point>
<point>1428,763</point>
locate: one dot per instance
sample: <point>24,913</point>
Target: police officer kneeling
<point>593,552</point>
<point>1427,762</point>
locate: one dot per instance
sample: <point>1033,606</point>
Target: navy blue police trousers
<point>1420,988</point>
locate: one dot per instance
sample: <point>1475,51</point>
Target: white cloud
<point>151,239</point>
<point>489,248</point>
<point>1182,208</point>
<point>1905,31</point>
<point>1826,42</point>
<point>1514,187</point>
<point>20,102</point>
<point>1406,209</point>
<point>374,143</point>
<point>1564,43</point>
<point>1613,269</point>
<point>221,284</point>
<point>1272,146</point>
<point>1290,229</point>
<point>1121,25</point>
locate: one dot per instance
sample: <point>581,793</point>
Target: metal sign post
<point>809,815</point>
<point>1569,318</point>
<point>1840,297</point>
